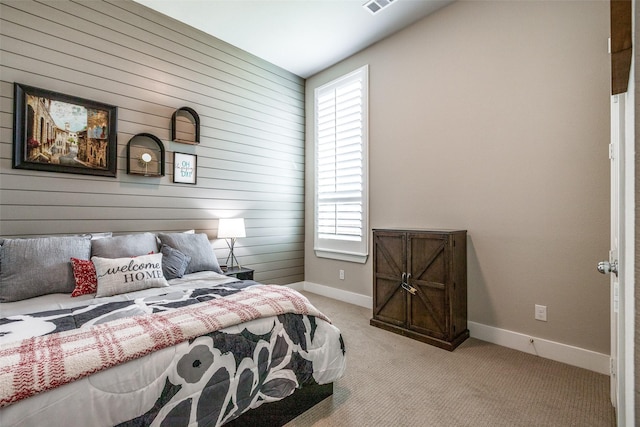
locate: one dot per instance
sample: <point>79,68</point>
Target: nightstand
<point>241,273</point>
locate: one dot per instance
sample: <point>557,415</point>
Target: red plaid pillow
<point>84,273</point>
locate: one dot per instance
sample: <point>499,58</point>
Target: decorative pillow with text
<point>121,275</point>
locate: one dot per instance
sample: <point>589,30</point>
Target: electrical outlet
<point>541,312</point>
<point>341,274</point>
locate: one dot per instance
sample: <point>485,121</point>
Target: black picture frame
<point>185,168</point>
<point>145,143</point>
<point>185,126</point>
<point>55,132</point>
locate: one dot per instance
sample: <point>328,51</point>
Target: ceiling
<point>301,36</point>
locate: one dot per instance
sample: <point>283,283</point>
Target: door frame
<point>623,252</point>
<point>625,366</point>
<point>623,298</point>
<point>624,60</point>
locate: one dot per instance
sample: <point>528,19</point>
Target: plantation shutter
<point>341,141</point>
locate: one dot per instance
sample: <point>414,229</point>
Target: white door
<point>611,266</point>
<point>620,264</point>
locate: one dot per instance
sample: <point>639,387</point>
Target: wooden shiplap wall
<point>251,151</point>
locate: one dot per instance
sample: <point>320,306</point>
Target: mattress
<point>207,379</point>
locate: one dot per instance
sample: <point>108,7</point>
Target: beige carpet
<point>395,381</point>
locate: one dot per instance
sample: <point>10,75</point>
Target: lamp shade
<point>230,228</point>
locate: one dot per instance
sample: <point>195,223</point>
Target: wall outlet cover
<point>541,312</point>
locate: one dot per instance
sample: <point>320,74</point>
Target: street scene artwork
<point>64,134</point>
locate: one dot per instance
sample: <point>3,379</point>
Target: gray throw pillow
<point>174,262</point>
<point>124,246</point>
<point>103,235</point>
<point>197,247</point>
<point>39,266</point>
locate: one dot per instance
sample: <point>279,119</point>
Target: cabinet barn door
<point>389,300</point>
<point>429,267</point>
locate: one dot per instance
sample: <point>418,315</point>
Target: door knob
<point>606,267</point>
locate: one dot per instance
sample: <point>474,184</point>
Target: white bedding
<point>62,301</point>
<point>159,389</point>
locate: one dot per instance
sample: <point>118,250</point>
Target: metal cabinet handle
<point>405,285</point>
<point>409,288</point>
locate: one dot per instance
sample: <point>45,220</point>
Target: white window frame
<point>355,250</point>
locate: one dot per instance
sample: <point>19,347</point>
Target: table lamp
<point>230,229</point>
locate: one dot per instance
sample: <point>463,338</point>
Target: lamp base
<point>231,243</point>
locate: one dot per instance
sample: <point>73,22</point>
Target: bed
<point>146,330</point>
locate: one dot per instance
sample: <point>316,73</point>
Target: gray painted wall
<point>493,117</point>
<point>251,155</point>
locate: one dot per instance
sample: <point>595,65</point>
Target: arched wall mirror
<point>145,155</point>
<point>185,126</point>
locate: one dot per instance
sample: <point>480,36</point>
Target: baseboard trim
<point>339,294</point>
<point>574,356</point>
<point>298,286</point>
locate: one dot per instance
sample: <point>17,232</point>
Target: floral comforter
<point>206,380</point>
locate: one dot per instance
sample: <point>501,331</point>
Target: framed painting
<point>55,132</point>
<point>185,168</point>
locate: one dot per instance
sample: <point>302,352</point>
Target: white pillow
<point>121,275</point>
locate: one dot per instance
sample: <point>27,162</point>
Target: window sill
<point>342,256</point>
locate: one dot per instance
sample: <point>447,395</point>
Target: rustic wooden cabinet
<point>420,285</point>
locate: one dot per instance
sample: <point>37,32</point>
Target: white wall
<point>251,155</point>
<point>493,117</point>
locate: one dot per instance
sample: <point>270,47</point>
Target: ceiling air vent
<point>375,6</point>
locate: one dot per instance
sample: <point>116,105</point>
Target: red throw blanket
<point>38,364</point>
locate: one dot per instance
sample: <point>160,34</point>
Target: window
<point>341,204</point>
